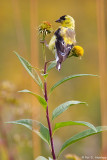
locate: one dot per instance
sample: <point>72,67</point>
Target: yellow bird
<point>63,39</point>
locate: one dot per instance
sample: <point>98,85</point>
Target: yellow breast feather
<point>68,35</point>
<point>52,43</point>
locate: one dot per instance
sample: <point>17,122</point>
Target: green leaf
<point>69,78</point>
<point>82,135</point>
<point>52,65</point>
<point>40,99</point>
<point>69,123</point>
<point>41,158</point>
<point>42,132</point>
<point>32,72</point>
<point>63,107</point>
<point>45,75</point>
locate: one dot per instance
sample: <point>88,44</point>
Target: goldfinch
<point>63,39</point>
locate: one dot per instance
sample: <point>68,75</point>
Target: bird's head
<point>66,21</point>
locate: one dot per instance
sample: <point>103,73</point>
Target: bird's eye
<point>63,17</point>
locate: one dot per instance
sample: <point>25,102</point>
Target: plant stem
<point>43,46</point>
<point>47,116</point>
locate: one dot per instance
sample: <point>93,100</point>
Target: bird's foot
<point>44,42</point>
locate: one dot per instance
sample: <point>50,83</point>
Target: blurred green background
<point>15,35</point>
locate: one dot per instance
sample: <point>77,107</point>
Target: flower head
<point>77,51</point>
<point>45,28</point>
<point>72,157</point>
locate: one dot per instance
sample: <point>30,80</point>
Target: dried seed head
<point>45,28</point>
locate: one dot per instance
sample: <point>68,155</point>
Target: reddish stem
<point>47,116</point>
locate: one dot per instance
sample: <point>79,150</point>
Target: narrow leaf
<point>63,107</point>
<point>42,132</point>
<point>52,65</point>
<point>32,72</point>
<point>69,78</point>
<point>39,98</point>
<point>41,158</point>
<point>82,135</point>
<point>69,123</point>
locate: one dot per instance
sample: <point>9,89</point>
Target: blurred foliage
<point>11,38</point>
<point>13,144</point>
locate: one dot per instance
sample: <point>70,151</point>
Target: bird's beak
<point>58,21</point>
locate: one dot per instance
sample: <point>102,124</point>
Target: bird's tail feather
<point>58,66</point>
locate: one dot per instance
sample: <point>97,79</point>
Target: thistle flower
<point>45,28</point>
<point>77,51</point>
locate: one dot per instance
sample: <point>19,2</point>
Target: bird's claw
<point>43,42</point>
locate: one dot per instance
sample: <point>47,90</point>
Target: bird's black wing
<point>62,49</point>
